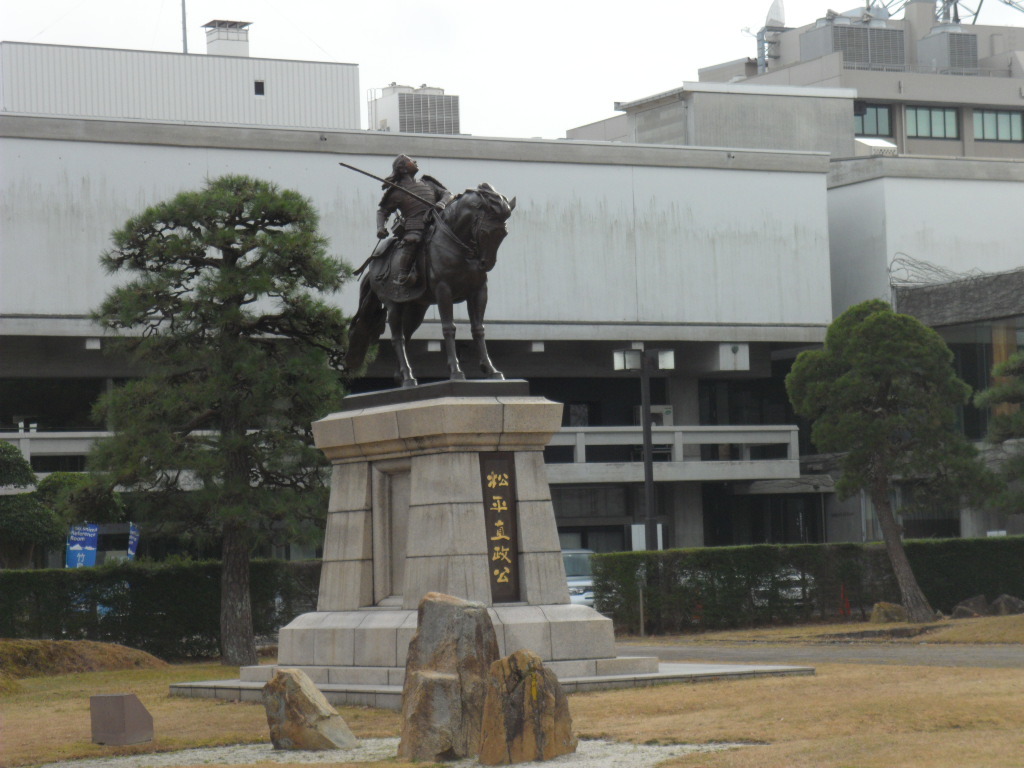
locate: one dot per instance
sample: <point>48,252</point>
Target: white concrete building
<point>721,256</point>
<point>405,109</point>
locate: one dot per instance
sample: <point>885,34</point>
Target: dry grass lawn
<point>48,719</point>
<point>846,716</point>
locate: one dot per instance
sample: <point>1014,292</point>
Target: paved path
<point>920,654</point>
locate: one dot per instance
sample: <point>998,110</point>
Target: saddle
<point>382,265</point>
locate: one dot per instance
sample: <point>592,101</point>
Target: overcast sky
<point>521,68</point>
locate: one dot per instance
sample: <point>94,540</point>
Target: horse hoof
<point>497,376</point>
<point>409,384</point>
<point>458,376</point>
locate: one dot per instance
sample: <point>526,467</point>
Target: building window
<point>258,88</point>
<point>876,120</point>
<point>993,125</point>
<point>932,123</point>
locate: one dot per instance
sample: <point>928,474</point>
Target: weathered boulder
<point>1006,605</point>
<point>446,679</point>
<point>526,714</point>
<point>300,717</point>
<point>971,608</point>
<point>888,613</point>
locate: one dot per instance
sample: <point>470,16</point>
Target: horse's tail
<point>366,327</point>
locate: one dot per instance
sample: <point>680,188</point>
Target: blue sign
<point>133,540</point>
<point>82,541</point>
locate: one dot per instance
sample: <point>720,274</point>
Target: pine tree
<point>883,392</point>
<point>1005,430</point>
<point>222,312</point>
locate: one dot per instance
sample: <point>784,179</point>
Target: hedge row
<point>723,587</point>
<point>171,610</point>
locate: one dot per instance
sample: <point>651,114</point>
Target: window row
<point>939,123</point>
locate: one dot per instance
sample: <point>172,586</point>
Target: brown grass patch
<point>868,716</point>
<point>37,658</point>
<point>62,703</point>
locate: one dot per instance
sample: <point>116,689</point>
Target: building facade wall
<point>607,236</point>
<point>148,85</point>
<point>952,214</point>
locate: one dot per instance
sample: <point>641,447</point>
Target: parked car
<point>579,576</point>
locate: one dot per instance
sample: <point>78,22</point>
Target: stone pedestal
<point>409,514</point>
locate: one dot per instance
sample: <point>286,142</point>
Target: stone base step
<point>390,696</point>
<point>337,675</point>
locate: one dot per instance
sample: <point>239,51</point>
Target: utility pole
<point>184,29</point>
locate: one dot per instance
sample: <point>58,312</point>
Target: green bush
<point>169,609</point>
<point>721,587</point>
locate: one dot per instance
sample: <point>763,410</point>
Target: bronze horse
<point>456,255</point>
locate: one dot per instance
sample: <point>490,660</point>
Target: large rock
<point>300,717</point>
<point>971,608</point>
<point>446,679</point>
<point>888,613</point>
<point>526,715</point>
<point>1006,605</point>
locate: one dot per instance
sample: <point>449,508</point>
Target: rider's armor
<point>414,213</point>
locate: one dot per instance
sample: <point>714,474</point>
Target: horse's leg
<point>477,304</point>
<point>403,376</point>
<point>446,309</point>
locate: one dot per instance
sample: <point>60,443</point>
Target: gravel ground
<point>589,754</point>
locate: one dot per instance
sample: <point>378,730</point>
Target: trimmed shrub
<point>170,609</point>
<point>721,587</point>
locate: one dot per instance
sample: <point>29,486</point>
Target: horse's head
<point>478,216</point>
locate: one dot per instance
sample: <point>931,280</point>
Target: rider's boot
<point>404,274</point>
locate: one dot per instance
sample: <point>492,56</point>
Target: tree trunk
<point>912,598</point>
<point>237,640</point>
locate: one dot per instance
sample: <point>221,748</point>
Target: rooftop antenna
<point>184,29</point>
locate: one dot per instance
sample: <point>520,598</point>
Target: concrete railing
<point>681,453</point>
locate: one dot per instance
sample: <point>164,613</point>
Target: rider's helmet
<point>399,165</point>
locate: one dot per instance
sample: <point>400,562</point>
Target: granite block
<point>334,646</point>
<point>627,665</point>
<point>525,627</point>
<point>335,431</point>
<point>573,668</point>
<point>442,478</point>
<point>345,585</point>
<point>462,576</point>
<point>349,536</point>
<point>532,477</point>
<point>376,647</point>
<point>531,416</point>
<point>358,676</point>
<point>580,636</point>
<point>446,529</point>
<point>469,418</point>
<point>537,529</point>
<point>256,674</point>
<point>375,429</point>
<point>542,578</point>
<point>350,487</point>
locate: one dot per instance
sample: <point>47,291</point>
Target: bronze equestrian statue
<point>439,252</point>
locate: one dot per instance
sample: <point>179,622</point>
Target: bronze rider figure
<point>413,211</point>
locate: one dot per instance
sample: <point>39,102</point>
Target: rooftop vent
<point>227,38</point>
